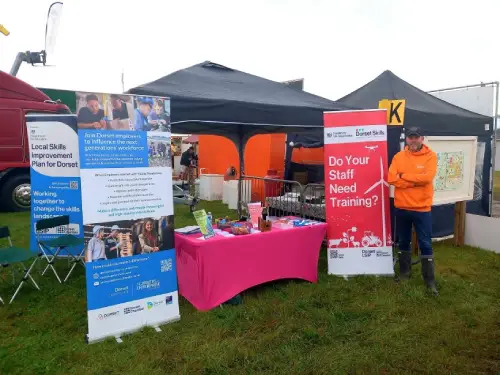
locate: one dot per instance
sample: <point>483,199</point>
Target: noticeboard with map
<point>450,171</point>
<point>456,168</point>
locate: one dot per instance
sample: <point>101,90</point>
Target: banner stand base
<point>346,277</point>
<point>118,337</point>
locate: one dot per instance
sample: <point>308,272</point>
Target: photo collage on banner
<point>54,175</point>
<point>357,193</point>
<point>127,206</point>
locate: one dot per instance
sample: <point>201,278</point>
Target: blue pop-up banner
<point>126,178</point>
<point>55,175</point>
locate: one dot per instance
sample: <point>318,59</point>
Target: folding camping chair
<point>11,256</point>
<point>59,244</point>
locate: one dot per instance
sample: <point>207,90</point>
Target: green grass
<point>366,325</point>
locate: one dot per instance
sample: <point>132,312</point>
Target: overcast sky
<point>336,46</point>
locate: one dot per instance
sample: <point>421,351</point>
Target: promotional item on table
<point>254,210</point>
<point>205,223</point>
<point>225,227</point>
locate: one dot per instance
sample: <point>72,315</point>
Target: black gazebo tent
<point>209,98</point>
<point>435,117</point>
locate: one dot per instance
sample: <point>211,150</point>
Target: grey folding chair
<point>11,257</point>
<point>52,248</point>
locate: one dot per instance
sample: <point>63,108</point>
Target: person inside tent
<point>188,161</point>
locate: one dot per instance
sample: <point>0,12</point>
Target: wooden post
<point>459,230</point>
<point>414,241</point>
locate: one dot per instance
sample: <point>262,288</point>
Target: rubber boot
<point>428,274</point>
<point>404,265</point>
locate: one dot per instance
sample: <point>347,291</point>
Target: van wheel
<point>16,193</point>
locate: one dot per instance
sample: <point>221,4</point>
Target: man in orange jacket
<point>412,173</point>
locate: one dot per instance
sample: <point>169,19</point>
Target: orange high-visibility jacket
<point>412,174</point>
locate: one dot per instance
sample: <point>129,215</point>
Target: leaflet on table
<point>55,175</point>
<point>191,229</point>
<point>126,177</point>
<point>255,211</point>
<point>204,223</point>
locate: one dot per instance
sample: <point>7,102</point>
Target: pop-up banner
<point>54,175</point>
<point>127,206</point>
<point>357,193</point>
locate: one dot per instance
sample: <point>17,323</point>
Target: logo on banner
<point>355,134</point>
<point>108,315</point>
<point>335,254</point>
<point>133,309</point>
<point>153,304</point>
<point>169,300</point>
<point>148,284</point>
<point>371,133</point>
<point>367,253</point>
<point>382,253</point>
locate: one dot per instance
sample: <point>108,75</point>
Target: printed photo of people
<point>122,112</point>
<point>104,111</point>
<point>125,238</point>
<point>159,153</point>
<point>151,115</point>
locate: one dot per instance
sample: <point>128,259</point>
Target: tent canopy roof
<point>433,115</point>
<point>209,98</point>
<point>211,81</point>
<point>389,86</point>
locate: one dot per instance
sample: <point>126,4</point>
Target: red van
<point>17,99</point>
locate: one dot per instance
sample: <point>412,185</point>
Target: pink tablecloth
<point>213,271</point>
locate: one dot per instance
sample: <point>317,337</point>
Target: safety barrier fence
<point>284,197</point>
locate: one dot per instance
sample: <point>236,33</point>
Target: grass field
<point>366,325</point>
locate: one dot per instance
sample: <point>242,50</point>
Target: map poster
<point>456,168</point>
<point>450,171</point>
<point>357,193</point>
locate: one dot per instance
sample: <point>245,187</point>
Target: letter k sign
<point>395,111</point>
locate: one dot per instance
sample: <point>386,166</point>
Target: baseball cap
<point>413,131</point>
<point>96,229</point>
<point>115,227</point>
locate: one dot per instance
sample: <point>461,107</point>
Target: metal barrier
<point>283,197</point>
<point>313,202</point>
